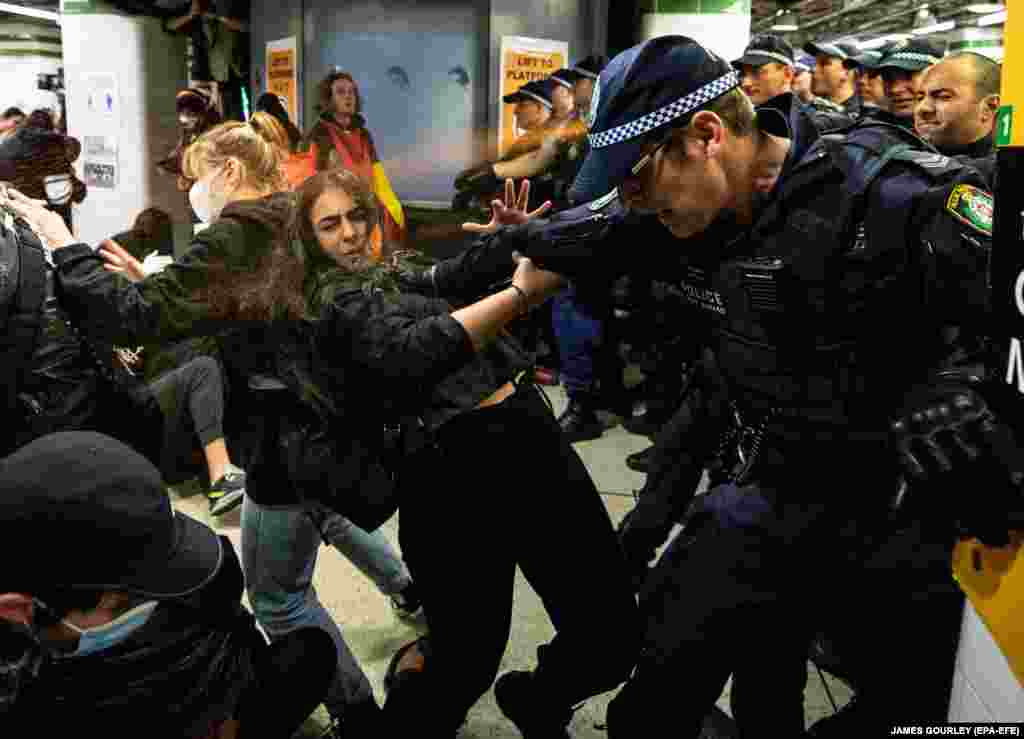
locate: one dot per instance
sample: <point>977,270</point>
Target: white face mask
<point>207,203</point>
<point>58,188</point>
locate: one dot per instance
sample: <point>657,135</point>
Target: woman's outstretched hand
<point>510,211</point>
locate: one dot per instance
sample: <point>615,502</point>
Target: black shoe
<point>580,423</point>
<point>521,703</point>
<point>854,719</point>
<point>359,719</point>
<point>718,725</point>
<point>648,423</point>
<point>407,604</point>
<point>640,461</point>
<point>228,492</point>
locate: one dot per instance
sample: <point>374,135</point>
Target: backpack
<point>22,296</point>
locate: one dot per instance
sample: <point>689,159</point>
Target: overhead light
<point>30,12</point>
<point>934,28</point>
<point>982,8</point>
<point>786,21</point>
<point>993,20</point>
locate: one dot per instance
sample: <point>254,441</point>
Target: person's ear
<point>990,108</point>
<point>709,131</point>
<point>788,73</point>
<point>16,608</point>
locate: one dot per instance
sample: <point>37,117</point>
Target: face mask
<point>205,202</point>
<point>58,188</point>
<point>100,638</point>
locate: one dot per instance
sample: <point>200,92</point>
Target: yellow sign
<point>283,75</point>
<point>1010,129</point>
<point>993,578</point>
<point>525,60</point>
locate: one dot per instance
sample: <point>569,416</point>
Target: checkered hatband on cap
<point>911,56</point>
<point>667,114</point>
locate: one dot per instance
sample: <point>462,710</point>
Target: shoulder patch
<point>601,202</point>
<point>972,206</point>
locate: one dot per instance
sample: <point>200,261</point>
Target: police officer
<point>902,69</point>
<point>832,79</point>
<point>869,80</point>
<point>957,110</point>
<point>766,68</point>
<point>840,317</point>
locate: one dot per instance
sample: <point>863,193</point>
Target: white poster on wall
<point>100,132</point>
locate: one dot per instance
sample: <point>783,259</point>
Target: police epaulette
<point>933,163</point>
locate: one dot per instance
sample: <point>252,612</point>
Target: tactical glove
<point>640,541</point>
<point>961,461</point>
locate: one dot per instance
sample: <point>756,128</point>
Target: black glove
<point>479,179</point>
<point>948,437</point>
<point>639,542</point>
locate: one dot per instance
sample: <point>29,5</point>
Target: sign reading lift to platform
<point>993,578</point>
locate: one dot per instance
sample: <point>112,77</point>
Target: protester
<point>143,628</point>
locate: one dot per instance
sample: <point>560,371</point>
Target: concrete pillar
<point>987,41</point>
<point>723,26</point>
<point>28,48</point>
<point>141,67</point>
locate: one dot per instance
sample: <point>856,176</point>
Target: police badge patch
<point>972,206</point>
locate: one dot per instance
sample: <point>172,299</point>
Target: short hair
<point>14,113</point>
<point>733,107</point>
<point>987,73</point>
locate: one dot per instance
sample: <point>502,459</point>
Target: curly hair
<point>325,93</point>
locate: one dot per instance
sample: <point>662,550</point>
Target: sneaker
<point>359,720</point>
<point>407,604</point>
<point>518,699</point>
<point>579,422</point>
<point>227,493</point>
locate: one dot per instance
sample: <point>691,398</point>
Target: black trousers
<point>503,488</point>
<point>743,595</point>
<point>292,676</point>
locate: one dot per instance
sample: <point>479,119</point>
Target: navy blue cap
<point>836,50</point>
<point>864,60</point>
<point>539,91</point>
<point>765,48</point>
<point>591,66</point>
<point>654,85</point>
<point>804,63</point>
<point>565,77</point>
<point>912,55</point>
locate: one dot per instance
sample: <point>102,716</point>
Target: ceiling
<point>863,19</point>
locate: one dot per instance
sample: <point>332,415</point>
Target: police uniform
<point>864,276</point>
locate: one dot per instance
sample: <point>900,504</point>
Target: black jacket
<point>365,361</point>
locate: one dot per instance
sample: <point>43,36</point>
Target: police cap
<point>655,85</point>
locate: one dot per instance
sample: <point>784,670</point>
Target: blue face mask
<point>100,638</point>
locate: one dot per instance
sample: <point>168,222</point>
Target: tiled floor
<point>374,633</point>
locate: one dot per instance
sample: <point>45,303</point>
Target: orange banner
<point>283,75</point>
<point>524,60</point>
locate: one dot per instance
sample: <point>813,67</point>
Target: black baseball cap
<point>653,86</point>
<point>105,507</point>
<point>765,48</point>
<point>912,55</point>
<point>539,91</point>
<point>818,48</point>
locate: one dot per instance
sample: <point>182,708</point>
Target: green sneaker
<point>227,493</point>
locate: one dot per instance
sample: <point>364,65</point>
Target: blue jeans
<point>580,336</point>
<point>279,551</point>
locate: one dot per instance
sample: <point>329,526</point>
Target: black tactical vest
<point>822,324</point>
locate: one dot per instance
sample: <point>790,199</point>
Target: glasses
<point>646,158</point>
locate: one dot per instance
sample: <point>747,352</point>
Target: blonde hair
<point>735,110</point>
<point>271,129</point>
<point>255,146</point>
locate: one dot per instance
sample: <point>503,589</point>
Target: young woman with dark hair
<point>485,439</point>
